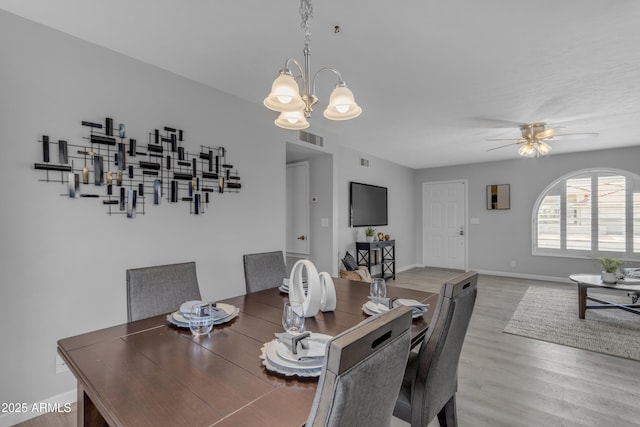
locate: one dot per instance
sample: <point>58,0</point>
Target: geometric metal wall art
<point>123,173</point>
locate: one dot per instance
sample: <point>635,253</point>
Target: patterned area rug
<point>552,315</point>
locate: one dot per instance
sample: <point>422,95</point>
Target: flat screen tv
<point>367,205</point>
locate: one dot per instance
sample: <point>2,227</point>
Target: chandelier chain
<point>306,12</point>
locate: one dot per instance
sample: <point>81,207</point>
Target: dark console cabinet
<point>380,254</point>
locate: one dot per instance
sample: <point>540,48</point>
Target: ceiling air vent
<point>310,138</point>
<point>364,162</point>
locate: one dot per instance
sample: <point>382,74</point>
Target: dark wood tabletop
<point>150,373</point>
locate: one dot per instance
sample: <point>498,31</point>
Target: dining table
<point>152,373</point>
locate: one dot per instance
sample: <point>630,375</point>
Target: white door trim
<point>305,204</point>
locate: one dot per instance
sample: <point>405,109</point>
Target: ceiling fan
<point>533,141</point>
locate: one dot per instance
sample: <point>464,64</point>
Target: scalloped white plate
<point>275,363</point>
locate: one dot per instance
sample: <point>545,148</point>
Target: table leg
<point>582,300</point>
<point>88,414</point>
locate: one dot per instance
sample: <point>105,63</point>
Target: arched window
<point>588,214</point>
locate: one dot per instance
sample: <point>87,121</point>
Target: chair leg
<point>447,416</point>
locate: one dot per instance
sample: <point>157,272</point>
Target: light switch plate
<point>60,365</point>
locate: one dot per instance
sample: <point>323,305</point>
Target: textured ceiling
<point>435,79</point>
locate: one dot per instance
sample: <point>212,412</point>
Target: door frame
<point>305,164</point>
<point>465,183</point>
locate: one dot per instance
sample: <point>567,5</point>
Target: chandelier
<point>295,105</point>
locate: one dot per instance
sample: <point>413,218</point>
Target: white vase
<point>609,277</point>
<point>369,238</point>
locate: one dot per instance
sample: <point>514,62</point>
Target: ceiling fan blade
<point>578,133</point>
<point>545,134</point>
<point>496,123</point>
<point>500,139</point>
<point>503,146</point>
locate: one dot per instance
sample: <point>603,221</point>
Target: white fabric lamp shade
<point>285,94</point>
<point>293,120</point>
<point>342,105</point>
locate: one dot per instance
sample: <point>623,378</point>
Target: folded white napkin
<point>308,348</point>
<point>382,304</point>
<point>185,308</point>
<point>216,312</point>
<point>285,283</point>
<point>415,305</point>
<point>377,307</point>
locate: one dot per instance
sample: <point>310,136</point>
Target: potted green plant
<point>610,268</point>
<point>369,232</point>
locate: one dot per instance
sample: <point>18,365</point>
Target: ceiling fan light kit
<point>534,149</point>
<point>295,105</point>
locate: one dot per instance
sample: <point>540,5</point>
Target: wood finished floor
<point>507,380</point>
<point>512,381</point>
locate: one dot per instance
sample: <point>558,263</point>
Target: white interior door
<point>298,208</point>
<point>444,225</point>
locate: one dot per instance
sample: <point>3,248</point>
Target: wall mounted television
<point>367,205</point>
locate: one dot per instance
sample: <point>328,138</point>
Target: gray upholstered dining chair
<point>160,289</point>
<point>431,378</point>
<point>264,270</point>
<point>362,372</point>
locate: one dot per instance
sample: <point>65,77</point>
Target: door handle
<point>461,231</point>
<point>301,237</point>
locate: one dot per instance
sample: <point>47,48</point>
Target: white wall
<point>321,187</point>
<point>505,235</point>
<point>63,261</point>
<point>401,203</point>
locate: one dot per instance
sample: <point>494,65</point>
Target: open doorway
<point>319,204</point>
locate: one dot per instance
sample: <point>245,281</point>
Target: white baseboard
<point>58,402</point>
<point>407,267</point>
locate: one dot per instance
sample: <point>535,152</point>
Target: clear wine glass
<point>293,317</point>
<point>201,319</point>
<point>378,289</point>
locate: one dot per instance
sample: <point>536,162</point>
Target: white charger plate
<point>178,319</point>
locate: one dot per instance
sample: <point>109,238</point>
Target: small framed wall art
<point>498,196</point>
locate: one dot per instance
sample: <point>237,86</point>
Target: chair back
<point>362,372</point>
<point>160,289</point>
<point>264,270</point>
<point>436,379</point>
